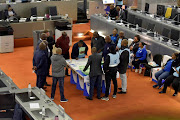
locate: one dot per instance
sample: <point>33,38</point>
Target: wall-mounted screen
<point>108,1</point>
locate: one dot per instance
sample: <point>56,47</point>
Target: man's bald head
<point>43,36</point>
<point>64,34</point>
<point>111,6</point>
<point>107,39</point>
<point>118,8</point>
<point>59,51</point>
<point>42,46</point>
<point>124,42</point>
<point>93,50</point>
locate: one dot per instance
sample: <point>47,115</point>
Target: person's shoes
<point>46,84</point>
<point>120,88</point>
<point>64,100</point>
<point>89,98</point>
<point>136,70</point>
<point>52,98</point>
<point>98,97</point>
<point>114,96</point>
<point>121,92</point>
<point>175,94</point>
<point>49,75</point>
<point>105,98</point>
<point>155,86</point>
<point>161,92</point>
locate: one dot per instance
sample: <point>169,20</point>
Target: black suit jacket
<point>7,15</point>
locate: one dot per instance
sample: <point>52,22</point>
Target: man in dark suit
<point>95,74</point>
<point>98,42</point>
<point>9,13</point>
<point>51,42</point>
<point>113,13</point>
<point>40,65</point>
<point>76,54</point>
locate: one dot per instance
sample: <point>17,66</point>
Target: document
<point>34,105</point>
<point>81,49</point>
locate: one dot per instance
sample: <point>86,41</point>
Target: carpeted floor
<point>141,102</point>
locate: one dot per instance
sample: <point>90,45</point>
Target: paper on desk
<point>34,105</point>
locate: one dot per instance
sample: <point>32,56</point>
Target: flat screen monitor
<point>53,11</point>
<point>1,15</point>
<point>174,34</point>
<point>7,101</point>
<point>147,7</point>
<point>108,1</point>
<point>34,11</point>
<point>160,10</point>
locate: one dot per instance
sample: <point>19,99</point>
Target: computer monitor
<point>7,101</point>
<point>34,11</point>
<point>146,7</point>
<point>53,11</point>
<point>108,1</point>
<point>131,18</point>
<point>160,10</point>
<point>174,34</point>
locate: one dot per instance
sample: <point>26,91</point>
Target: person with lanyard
<point>95,74</point>
<point>174,79</point>
<point>115,35</point>
<point>110,70</point>
<point>79,50</point>
<point>165,72</point>
<point>140,57</point>
<point>119,39</point>
<point>108,44</point>
<point>124,53</point>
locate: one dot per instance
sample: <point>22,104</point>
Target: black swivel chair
<point>160,10</point>
<point>53,11</point>
<point>131,18</point>
<point>175,37</point>
<point>34,12</point>
<point>1,15</point>
<point>146,8</point>
<point>151,27</point>
<point>165,34</point>
<point>7,103</point>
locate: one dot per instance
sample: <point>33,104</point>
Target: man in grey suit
<point>95,74</point>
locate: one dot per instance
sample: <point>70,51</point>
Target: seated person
<point>108,44</point>
<point>9,13</point>
<point>115,35</point>
<point>140,56</point>
<point>79,50</point>
<point>135,44</point>
<point>119,39</point>
<point>165,72</point>
<point>174,79</point>
<point>113,13</point>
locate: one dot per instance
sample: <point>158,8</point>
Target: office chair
<point>146,8</point>
<point>7,102</point>
<point>165,34</point>
<point>131,18</point>
<point>174,34</point>
<point>1,15</point>
<point>151,27</point>
<point>53,11</point>
<point>34,12</point>
<point>160,10</point>
<point>138,21</point>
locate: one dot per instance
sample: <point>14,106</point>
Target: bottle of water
<point>43,112</point>
<point>29,89</point>
<point>121,21</point>
<point>155,35</point>
<point>169,42</point>
<point>56,118</point>
<point>137,26</point>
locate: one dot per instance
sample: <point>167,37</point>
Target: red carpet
<point>141,102</point>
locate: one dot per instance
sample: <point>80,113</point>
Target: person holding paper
<point>79,50</point>
<point>94,61</point>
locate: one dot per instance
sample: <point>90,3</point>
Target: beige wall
<point>63,7</point>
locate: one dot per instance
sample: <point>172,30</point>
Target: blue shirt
<point>119,43</point>
<point>141,53</point>
<point>175,73</point>
<point>114,38</point>
<point>168,66</point>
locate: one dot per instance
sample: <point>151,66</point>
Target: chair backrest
<point>34,11</point>
<point>160,10</point>
<point>151,27</point>
<point>174,34</point>
<point>1,15</point>
<point>157,59</point>
<point>148,57</point>
<point>131,18</point>
<point>165,59</point>
<point>53,11</point>
<point>130,40</point>
<point>174,13</point>
<point>165,32</point>
<point>7,101</point>
<point>146,7</point>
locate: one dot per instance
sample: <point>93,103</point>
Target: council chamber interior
<point>89,59</point>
